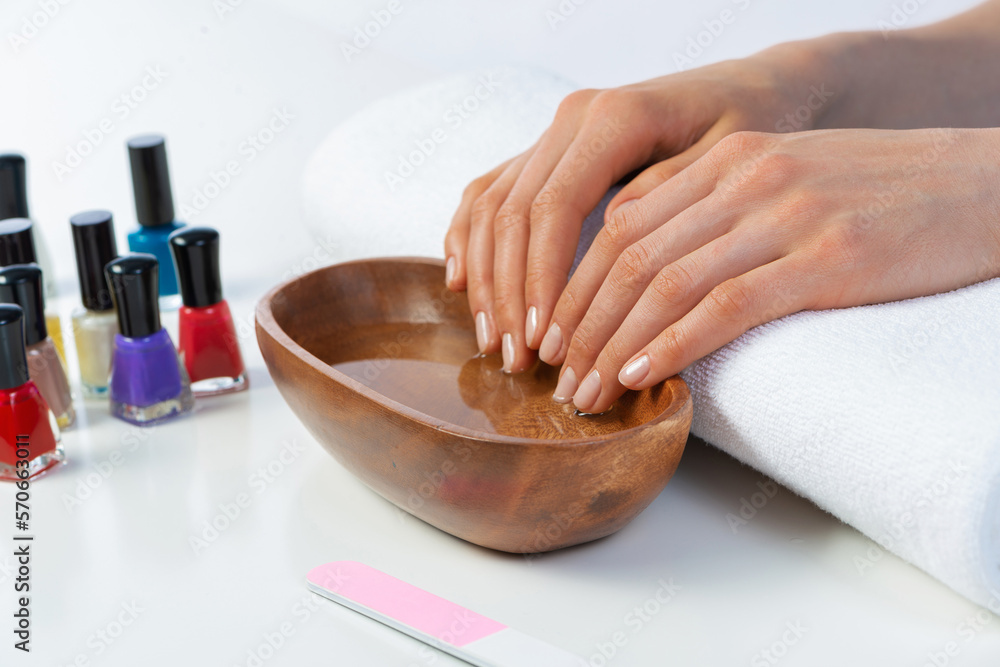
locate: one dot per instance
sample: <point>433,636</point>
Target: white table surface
<point>123,552</point>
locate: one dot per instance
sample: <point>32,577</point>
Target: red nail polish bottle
<point>29,437</point>
<point>207,343</point>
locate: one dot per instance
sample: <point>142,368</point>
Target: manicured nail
<point>621,207</point>
<point>588,392</point>
<point>449,271</point>
<point>508,352</point>
<point>551,344</point>
<point>566,387</point>
<point>482,332</point>
<point>530,327</point>
<point>635,372</point>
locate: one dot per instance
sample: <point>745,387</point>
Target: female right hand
<point>513,238</point>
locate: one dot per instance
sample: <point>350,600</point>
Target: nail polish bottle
<point>208,344</point>
<point>148,383</point>
<point>95,323</point>
<point>21,284</point>
<point>26,422</point>
<point>17,246</point>
<point>14,204</point>
<point>154,208</point>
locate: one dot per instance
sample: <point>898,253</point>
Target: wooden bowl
<point>379,361</point>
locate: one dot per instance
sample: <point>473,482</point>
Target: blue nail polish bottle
<point>154,207</point>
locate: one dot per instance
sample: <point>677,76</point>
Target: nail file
<point>433,620</point>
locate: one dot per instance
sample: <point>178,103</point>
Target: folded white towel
<point>887,416</point>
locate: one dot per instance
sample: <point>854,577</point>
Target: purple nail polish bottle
<point>148,383</point>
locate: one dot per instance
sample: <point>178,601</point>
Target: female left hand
<point>764,225</point>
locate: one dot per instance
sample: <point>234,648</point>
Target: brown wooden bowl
<point>379,361</point>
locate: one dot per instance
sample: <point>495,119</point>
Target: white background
<point>127,542</point>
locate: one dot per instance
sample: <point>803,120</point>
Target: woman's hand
<point>514,235</point>
<point>764,225</point>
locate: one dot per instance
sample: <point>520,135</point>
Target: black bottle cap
<point>22,284</point>
<point>13,361</point>
<point>154,202</point>
<point>17,246</point>
<point>196,255</point>
<point>94,239</point>
<point>13,187</point>
<point>134,282</point>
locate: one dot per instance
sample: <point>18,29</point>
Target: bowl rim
<point>264,319</point>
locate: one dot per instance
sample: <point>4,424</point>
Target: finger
<point>627,227</point>
<point>774,290</point>
<point>479,256</point>
<point>606,149</point>
<point>674,291</point>
<point>682,240</point>
<point>456,241</point>
<point>661,172</point>
<point>512,230</point>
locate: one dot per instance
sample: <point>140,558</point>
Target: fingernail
<point>635,372</point>
<point>449,271</point>
<point>566,387</point>
<point>588,392</point>
<point>508,352</point>
<point>482,332</point>
<point>621,207</point>
<point>551,344</point>
<point>530,326</point>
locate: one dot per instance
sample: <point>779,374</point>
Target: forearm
<point>940,75</point>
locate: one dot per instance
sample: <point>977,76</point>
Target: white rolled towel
<point>887,416</point>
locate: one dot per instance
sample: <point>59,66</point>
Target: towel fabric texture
<point>887,416</point>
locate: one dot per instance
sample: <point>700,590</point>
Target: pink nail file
<point>433,620</point>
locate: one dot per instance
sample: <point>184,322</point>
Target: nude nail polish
<point>508,352</point>
<point>449,271</point>
<point>530,327</point>
<point>566,388</point>
<point>21,284</point>
<point>635,372</point>
<point>28,431</point>
<point>482,332</point>
<point>551,344</point>
<point>95,323</point>
<point>589,392</point>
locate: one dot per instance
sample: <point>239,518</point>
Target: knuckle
<point>669,346</point>
<point>546,203</point>
<point>672,285</point>
<point>583,345</point>
<point>622,228</point>
<point>841,249</point>
<point>632,268</point>
<point>730,301</point>
<point>484,208</point>
<point>575,101</point>
<point>509,221</point>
